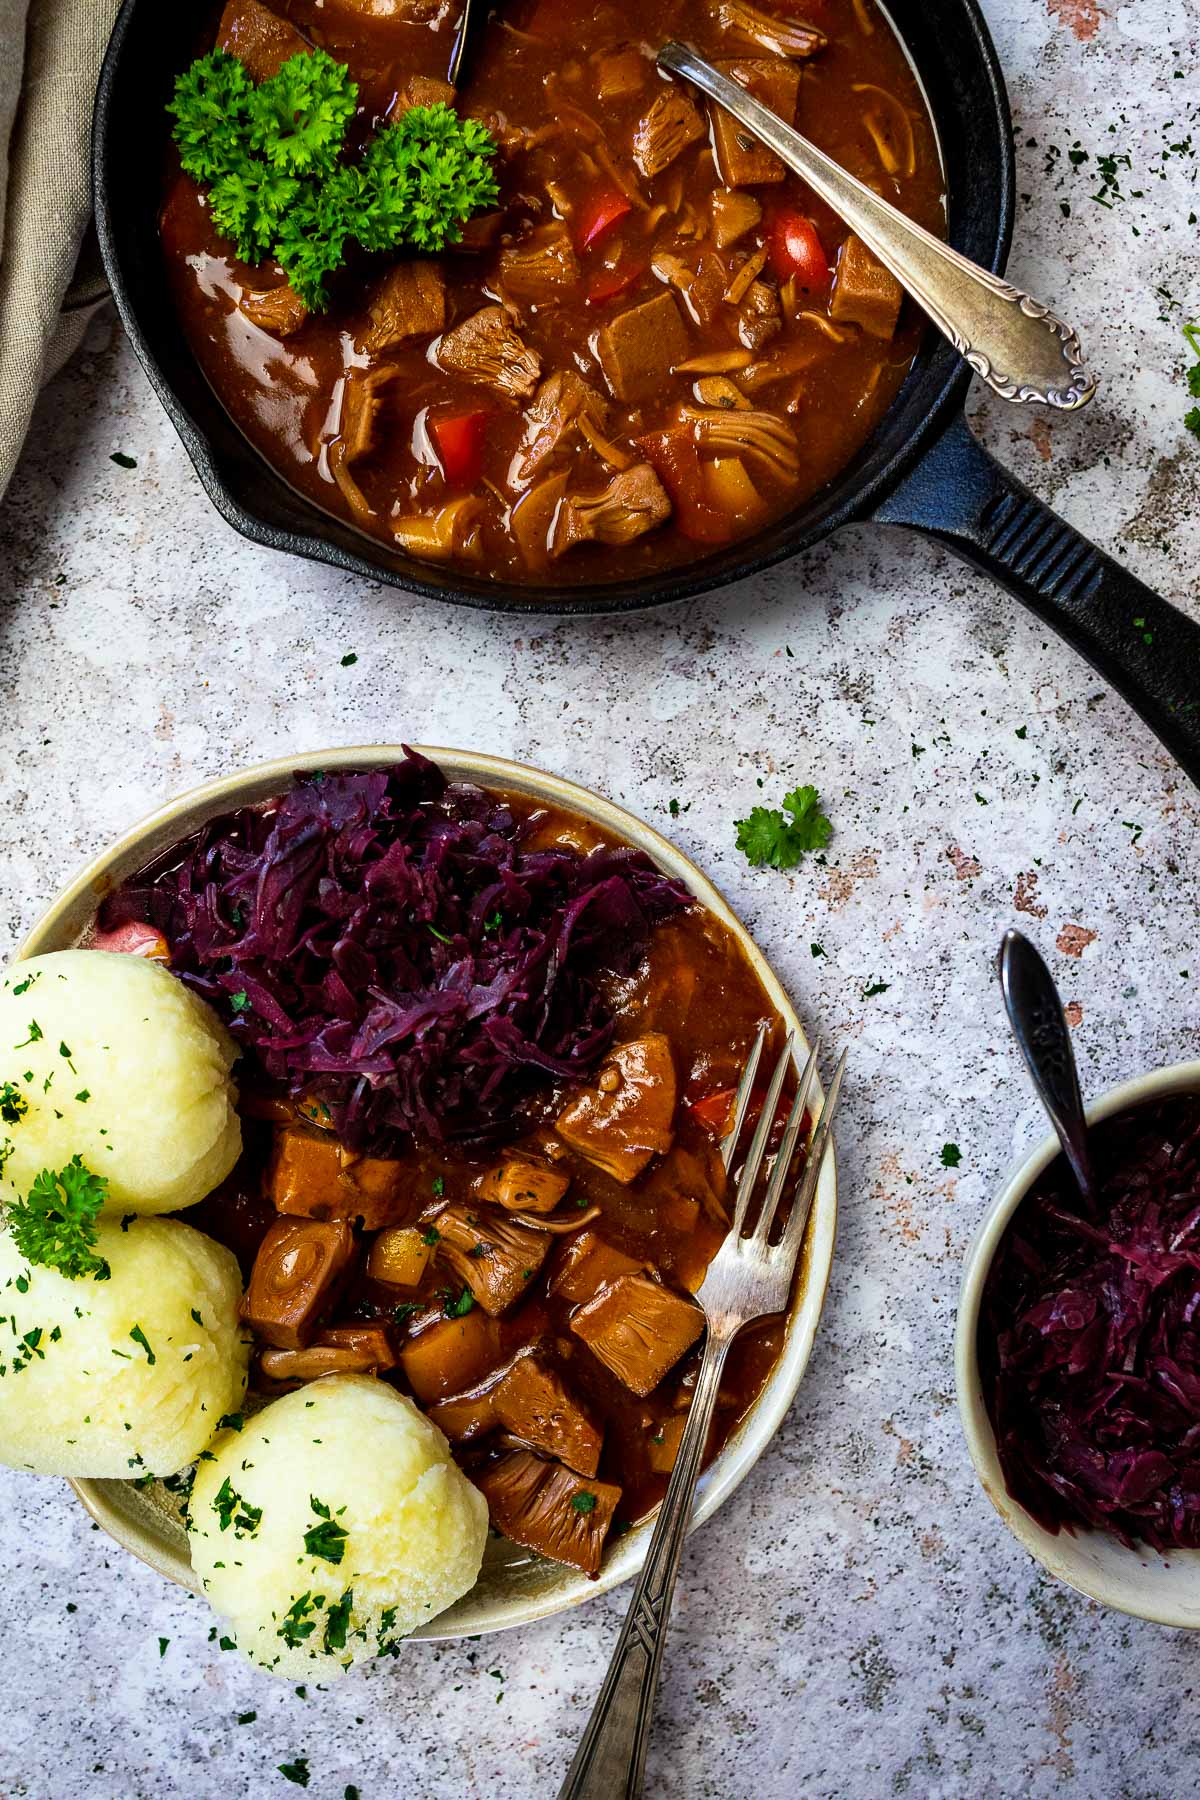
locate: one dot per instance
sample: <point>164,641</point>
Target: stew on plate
<point>488,1059</point>
<point>655,342</point>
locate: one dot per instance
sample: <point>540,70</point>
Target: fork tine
<point>787,1148</point>
<point>729,1147</point>
<point>758,1143</point>
<point>789,1243</point>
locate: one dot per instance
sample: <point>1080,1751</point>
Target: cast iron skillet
<point>922,467</point>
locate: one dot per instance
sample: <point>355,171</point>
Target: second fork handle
<point>611,1757</point>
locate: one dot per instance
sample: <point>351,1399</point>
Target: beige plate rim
<point>536,1595</point>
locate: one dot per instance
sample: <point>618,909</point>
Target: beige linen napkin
<point>50,56</point>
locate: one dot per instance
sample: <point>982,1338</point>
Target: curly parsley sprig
<point>272,157</point>
<point>55,1224</point>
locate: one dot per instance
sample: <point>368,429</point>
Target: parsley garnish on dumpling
<point>55,1224</point>
<point>773,839</point>
<point>326,1539</point>
<point>279,185</point>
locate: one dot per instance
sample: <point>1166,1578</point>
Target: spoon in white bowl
<point>1035,1011</point>
<point>1013,342</point>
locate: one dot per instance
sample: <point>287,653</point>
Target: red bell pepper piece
<point>714,1113</point>
<point>599,216</point>
<point>610,284</point>
<point>458,439</point>
<point>795,250</point>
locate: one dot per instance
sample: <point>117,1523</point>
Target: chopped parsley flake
<point>583,1503</point>
<point>951,1156</point>
<point>231,1509</point>
<point>297,1771</point>
<point>297,1625</point>
<point>139,1337</point>
<point>13,1104</point>
<point>337,1621</point>
<point>326,1539</point>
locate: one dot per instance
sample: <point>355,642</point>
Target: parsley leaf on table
<point>55,1224</point>
<point>769,839</point>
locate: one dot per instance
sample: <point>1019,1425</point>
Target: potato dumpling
<point>126,1376</point>
<point>331,1524</point>
<point>111,1058</point>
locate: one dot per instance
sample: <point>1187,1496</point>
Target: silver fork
<point>748,1278</point>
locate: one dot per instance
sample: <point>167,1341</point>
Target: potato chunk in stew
<point>312,1177</point>
<point>450,1355</point>
<point>639,1329</point>
<point>546,1508</point>
<point>627,1117</point>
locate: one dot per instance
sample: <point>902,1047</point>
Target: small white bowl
<point>1163,1589</point>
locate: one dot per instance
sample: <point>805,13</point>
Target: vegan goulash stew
<point>654,344</point>
<point>427,1192</point>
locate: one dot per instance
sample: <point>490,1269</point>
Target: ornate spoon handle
<point>1013,342</point>
<point>611,1756</point>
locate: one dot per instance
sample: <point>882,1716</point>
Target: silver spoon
<point>1035,1011</point>
<point>1013,342</point>
<point>466,39</point>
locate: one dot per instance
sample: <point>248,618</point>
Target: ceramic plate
<point>514,1587</point>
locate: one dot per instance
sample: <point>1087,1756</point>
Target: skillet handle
<point>1143,647</point>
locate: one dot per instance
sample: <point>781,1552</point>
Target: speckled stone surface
<point>856,1623</point>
